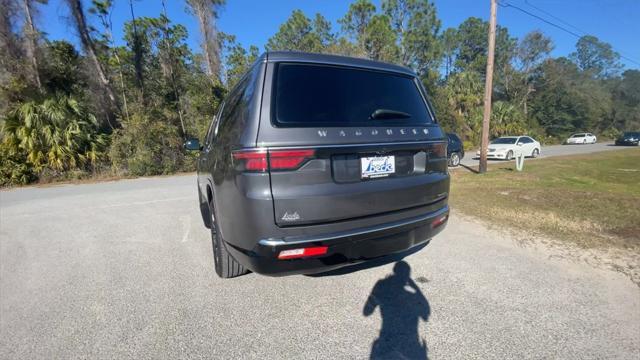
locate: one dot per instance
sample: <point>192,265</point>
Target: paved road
<point>124,270</point>
<point>552,150</point>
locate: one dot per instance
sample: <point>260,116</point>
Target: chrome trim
<point>353,145</point>
<point>298,240</point>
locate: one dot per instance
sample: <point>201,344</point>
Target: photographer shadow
<point>402,307</point>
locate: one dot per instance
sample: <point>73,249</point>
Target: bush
<point>610,134</point>
<point>147,145</point>
<point>14,169</point>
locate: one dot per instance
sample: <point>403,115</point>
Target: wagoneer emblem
<point>374,132</point>
<point>290,217</point>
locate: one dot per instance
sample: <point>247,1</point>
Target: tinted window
<point>319,95</point>
<point>504,141</point>
<point>577,135</point>
<point>236,105</point>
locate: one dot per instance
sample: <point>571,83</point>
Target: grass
<point>590,200</point>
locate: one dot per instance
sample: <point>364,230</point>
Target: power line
<point>506,4</point>
<point>553,16</point>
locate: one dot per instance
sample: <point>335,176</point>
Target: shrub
<point>146,145</point>
<point>14,169</point>
<point>55,134</point>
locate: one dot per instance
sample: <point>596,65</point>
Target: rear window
<point>306,95</point>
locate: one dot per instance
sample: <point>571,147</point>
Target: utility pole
<point>488,89</point>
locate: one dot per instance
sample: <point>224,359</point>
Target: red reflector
<point>302,252</point>
<point>288,159</point>
<point>439,221</point>
<point>252,160</point>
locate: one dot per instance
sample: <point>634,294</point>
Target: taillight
<point>261,160</point>
<point>288,159</point>
<point>438,150</point>
<point>251,160</point>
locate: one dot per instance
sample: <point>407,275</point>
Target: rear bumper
<point>344,248</point>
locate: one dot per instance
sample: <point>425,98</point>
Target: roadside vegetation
<point>592,201</point>
<point>123,107</point>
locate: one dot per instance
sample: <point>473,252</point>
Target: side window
<point>213,128</point>
<point>237,103</point>
<point>210,135</point>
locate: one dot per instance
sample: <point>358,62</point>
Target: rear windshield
<point>504,141</point>
<point>320,95</point>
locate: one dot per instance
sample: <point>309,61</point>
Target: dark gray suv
<point>316,161</point>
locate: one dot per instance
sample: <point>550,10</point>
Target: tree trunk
<point>32,43</point>
<point>137,55</point>
<point>89,47</point>
<point>10,49</point>
<point>206,21</point>
<point>108,26</point>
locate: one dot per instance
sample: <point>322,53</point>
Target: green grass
<point>591,200</point>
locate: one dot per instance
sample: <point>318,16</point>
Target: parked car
<point>629,138</point>
<point>506,147</point>
<point>455,149</point>
<point>314,162</point>
<point>581,138</point>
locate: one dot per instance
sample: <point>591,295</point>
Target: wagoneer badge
<point>374,132</point>
<point>290,217</point>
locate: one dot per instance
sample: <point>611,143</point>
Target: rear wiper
<point>386,114</point>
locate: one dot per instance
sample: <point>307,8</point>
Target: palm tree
<point>56,132</point>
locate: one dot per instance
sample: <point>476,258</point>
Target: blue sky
<point>254,21</point>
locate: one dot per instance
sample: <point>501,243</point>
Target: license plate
<point>379,166</point>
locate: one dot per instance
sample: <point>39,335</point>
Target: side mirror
<point>192,145</point>
<point>519,144</point>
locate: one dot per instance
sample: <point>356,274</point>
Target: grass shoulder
<point>592,201</point>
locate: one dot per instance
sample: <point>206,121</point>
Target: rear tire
<point>535,153</point>
<point>225,265</point>
<point>509,155</point>
<point>454,160</point>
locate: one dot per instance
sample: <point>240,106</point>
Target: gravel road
<point>124,270</point>
<point>552,150</point>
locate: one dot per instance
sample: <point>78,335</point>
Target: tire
<point>454,159</point>
<point>225,265</point>
<point>535,153</point>
<point>509,155</point>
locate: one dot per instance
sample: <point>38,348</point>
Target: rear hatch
<point>347,143</point>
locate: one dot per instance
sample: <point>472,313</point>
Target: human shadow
<point>402,306</point>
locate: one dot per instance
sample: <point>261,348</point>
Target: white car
<point>506,147</point>
<point>582,138</point>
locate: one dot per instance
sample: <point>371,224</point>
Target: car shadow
<point>402,307</point>
<point>371,263</point>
